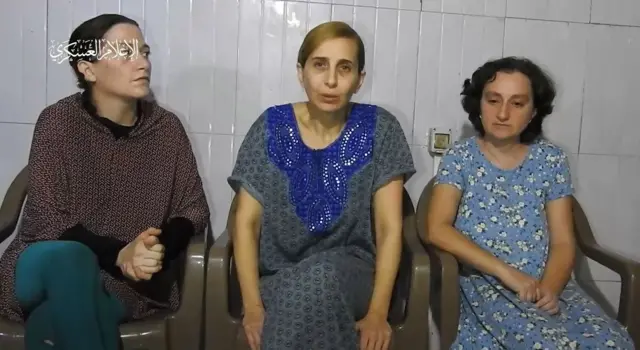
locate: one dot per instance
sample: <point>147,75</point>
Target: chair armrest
<point>12,204</point>
<point>221,328</point>
<point>414,332</point>
<point>628,270</point>
<point>185,325</point>
<point>446,294</point>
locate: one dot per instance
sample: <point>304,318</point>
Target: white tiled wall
<point>219,63</point>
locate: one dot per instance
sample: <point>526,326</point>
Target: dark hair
<point>326,31</point>
<point>542,87</point>
<point>87,36</point>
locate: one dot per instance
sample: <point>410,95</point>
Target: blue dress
<point>317,250</point>
<point>503,212</point>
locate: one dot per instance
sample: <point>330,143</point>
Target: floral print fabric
<point>503,212</point>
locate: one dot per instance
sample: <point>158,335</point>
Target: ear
<point>361,77</point>
<point>87,69</point>
<point>300,71</point>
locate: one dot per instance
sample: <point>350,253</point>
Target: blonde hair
<point>327,31</point>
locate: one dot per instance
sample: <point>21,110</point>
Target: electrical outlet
<point>439,140</point>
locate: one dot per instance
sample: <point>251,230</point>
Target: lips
<point>330,98</point>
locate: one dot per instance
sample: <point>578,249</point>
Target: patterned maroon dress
<point>83,175</point>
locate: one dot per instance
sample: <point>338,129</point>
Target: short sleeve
<point>559,183</point>
<point>450,169</point>
<point>248,171</point>
<point>393,156</point>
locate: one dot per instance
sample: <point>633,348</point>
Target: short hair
<point>542,87</point>
<point>85,37</point>
<point>327,31</point>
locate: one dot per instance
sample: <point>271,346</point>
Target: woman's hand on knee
<point>375,332</point>
<point>141,258</point>
<point>252,323</point>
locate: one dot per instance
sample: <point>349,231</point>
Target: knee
<point>60,254</point>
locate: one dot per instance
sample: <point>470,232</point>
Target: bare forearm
<point>449,239</point>
<point>557,272</point>
<point>389,249</point>
<point>245,251</point>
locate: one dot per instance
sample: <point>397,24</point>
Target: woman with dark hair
<point>114,198</point>
<point>502,205</point>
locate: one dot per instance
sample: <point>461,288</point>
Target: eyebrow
<point>342,60</point>
<point>493,93</point>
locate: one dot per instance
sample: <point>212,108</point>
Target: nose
<point>143,62</point>
<point>503,112</point>
<point>331,80</point>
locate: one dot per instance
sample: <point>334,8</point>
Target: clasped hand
<point>141,258</point>
<point>531,290</point>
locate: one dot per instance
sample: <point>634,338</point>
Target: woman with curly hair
<point>502,205</point>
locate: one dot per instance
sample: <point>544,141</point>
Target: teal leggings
<point>58,285</point>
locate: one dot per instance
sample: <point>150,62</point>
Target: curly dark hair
<point>542,87</point>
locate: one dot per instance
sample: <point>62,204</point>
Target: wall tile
<point>566,10</point>
<point>34,57</point>
<point>176,56</point>
<point>364,22</point>
<point>11,68</point>
<point>492,8</point>
<point>249,57</point>
<point>60,80</point>
<point>560,49</point>
<point>133,9</point>
<point>215,154</point>
<point>609,122</point>
<point>414,5</point>
<point>112,6</point>
<point>155,33</point>
<point>621,12</point>
<point>451,48</point>
<point>392,72</point>
<point>213,66</point>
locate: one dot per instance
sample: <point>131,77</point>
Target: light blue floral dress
<point>503,211</point>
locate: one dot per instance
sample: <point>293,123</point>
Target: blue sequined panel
<point>318,179</point>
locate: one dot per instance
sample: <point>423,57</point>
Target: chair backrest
<point>421,208</point>
<point>584,234</point>
<point>12,204</point>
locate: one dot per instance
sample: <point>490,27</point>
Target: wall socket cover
<point>439,140</point>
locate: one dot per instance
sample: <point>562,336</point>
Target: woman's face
<point>122,68</point>
<point>330,76</point>
<point>507,106</point>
